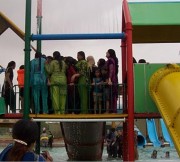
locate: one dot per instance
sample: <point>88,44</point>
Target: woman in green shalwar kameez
<point>83,81</point>
<point>57,74</point>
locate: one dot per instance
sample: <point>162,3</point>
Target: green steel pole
<point>39,41</point>
<point>39,20</point>
<point>27,59</point>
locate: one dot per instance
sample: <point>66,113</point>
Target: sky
<point>79,16</point>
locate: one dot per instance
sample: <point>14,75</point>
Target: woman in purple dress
<point>112,66</point>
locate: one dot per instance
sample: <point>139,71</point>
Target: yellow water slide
<point>164,89</point>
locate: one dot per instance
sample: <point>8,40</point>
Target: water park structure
<point>149,90</point>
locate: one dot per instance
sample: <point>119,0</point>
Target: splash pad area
<point>59,154</point>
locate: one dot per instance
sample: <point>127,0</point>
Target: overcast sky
<point>75,16</point>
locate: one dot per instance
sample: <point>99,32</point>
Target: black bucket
<point>84,141</point>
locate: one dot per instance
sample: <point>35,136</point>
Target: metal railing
<point>74,99</point>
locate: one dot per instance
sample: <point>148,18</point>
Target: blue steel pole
<point>78,36</point>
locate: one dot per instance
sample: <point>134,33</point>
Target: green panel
<point>139,84</point>
<point>155,13</point>
<point>155,22</point>
<point>2,106</point>
<point>142,99</point>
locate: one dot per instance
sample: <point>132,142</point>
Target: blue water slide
<point>151,128</point>
<point>141,140</point>
<point>166,133</point>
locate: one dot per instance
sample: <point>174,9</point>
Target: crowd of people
<point>66,85</point>
<point>114,141</point>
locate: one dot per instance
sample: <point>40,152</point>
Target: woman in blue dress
<point>25,133</point>
<point>39,83</point>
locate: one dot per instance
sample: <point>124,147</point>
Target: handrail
<point>80,120</point>
<point>119,101</point>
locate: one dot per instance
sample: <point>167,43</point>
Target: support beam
<point>78,36</point>
<point>78,120</point>
<point>78,116</point>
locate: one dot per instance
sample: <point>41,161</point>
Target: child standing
<point>119,140</point>
<point>97,92</point>
<point>162,141</point>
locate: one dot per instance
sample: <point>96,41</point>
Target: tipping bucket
<point>84,141</point>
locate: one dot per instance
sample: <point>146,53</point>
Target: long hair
<point>91,62</point>
<point>10,64</point>
<point>38,55</point>
<point>82,54</point>
<point>70,61</point>
<point>26,131</point>
<point>112,54</point>
<point>101,62</point>
<point>57,56</point>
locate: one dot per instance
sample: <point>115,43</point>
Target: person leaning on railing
<point>56,69</point>
<point>72,105</point>
<point>83,81</point>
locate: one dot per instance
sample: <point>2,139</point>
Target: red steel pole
<point>130,92</point>
<point>130,81</point>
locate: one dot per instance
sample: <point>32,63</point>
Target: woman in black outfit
<point>7,89</point>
